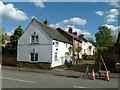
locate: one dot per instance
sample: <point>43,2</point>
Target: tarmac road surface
<point>22,79</point>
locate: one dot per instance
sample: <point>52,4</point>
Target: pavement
<point>55,71</point>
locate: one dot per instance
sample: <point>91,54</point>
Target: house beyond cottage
<point>78,41</point>
<point>42,44</point>
<point>87,47</point>
<point>72,37</point>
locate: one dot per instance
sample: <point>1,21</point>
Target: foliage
<point>104,37</point>
<point>2,40</point>
<point>79,49</point>
<point>80,61</point>
<point>66,64</point>
<point>84,56</point>
<point>70,49</point>
<point>16,35</point>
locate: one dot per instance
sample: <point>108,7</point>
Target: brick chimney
<point>70,30</point>
<point>46,22</point>
<point>81,36</point>
<point>75,33</point>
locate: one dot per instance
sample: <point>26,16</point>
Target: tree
<point>104,37</point>
<point>2,40</point>
<point>78,51</point>
<point>16,35</point>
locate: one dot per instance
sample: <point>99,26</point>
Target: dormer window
<point>34,38</point>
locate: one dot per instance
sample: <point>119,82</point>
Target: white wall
<point>62,49</point>
<point>85,48</point>
<point>44,48</point>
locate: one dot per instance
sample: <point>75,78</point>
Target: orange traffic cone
<point>107,76</point>
<point>93,75</point>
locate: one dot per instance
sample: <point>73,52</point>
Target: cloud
<point>114,3</point>
<point>71,21</point>
<point>112,16</point>
<point>39,4</point>
<point>112,27</point>
<point>10,12</point>
<point>65,24</point>
<point>75,21</point>
<point>100,13</point>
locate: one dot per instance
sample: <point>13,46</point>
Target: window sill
<point>34,43</point>
<point>34,62</point>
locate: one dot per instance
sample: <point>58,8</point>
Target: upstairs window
<point>34,39</point>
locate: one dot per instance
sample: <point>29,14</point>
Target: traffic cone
<point>93,75</point>
<point>107,76</point>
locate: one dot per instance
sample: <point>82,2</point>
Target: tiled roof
<point>69,36</point>
<point>52,33</point>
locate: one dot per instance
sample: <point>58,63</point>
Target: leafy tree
<point>16,35</point>
<point>104,37</point>
<point>2,40</point>
<point>78,51</point>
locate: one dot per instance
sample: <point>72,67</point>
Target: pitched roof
<point>52,33</point>
<point>69,36</point>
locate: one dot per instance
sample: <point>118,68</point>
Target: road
<point>20,79</point>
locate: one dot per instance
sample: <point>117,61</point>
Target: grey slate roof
<point>52,33</point>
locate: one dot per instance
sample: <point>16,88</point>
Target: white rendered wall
<point>61,49</point>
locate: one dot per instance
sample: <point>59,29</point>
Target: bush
<point>84,56</point>
<point>66,64</point>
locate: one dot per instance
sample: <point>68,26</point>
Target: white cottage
<point>42,44</point>
<point>87,47</point>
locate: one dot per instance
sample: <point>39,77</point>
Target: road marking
<point>79,87</point>
<point>18,80</point>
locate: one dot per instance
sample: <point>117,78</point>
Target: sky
<point>84,17</point>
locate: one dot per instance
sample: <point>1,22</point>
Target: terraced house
<point>40,44</point>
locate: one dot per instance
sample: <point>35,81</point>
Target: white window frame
<point>36,40</point>
<point>55,56</point>
<point>34,57</point>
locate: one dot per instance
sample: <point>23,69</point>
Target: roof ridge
<point>53,33</point>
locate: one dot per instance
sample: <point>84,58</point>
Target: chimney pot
<point>70,30</point>
<point>45,22</point>
<point>81,36</point>
<point>75,33</point>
